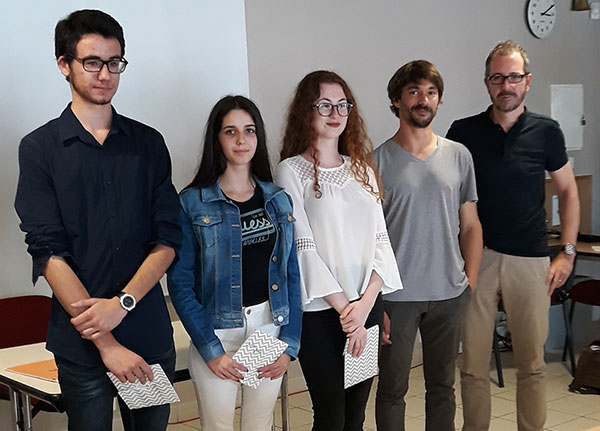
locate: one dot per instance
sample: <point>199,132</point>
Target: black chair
<point>24,321</point>
<point>587,292</point>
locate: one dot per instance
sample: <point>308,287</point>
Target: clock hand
<point>545,13</point>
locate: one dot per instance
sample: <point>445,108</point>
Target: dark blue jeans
<point>88,398</point>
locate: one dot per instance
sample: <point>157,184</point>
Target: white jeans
<point>217,397</point>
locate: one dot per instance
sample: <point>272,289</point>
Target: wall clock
<point>541,17</point>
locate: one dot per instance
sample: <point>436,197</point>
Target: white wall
<point>183,57</point>
<point>367,41</point>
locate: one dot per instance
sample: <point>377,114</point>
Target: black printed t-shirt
<point>258,240</point>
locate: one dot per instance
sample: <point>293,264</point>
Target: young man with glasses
<point>431,216</point>
<point>99,211</point>
<point>511,148</point>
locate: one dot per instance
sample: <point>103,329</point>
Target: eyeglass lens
<point>325,109</point>
<point>513,78</point>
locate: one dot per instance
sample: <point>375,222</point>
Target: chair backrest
<point>586,292</point>
<point>24,320</point>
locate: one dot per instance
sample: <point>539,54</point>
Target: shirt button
<point>274,259</point>
<point>274,287</point>
<point>280,319</point>
<point>248,312</point>
<point>206,220</point>
<point>108,182</point>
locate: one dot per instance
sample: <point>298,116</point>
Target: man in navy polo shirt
<point>99,211</point>
<point>511,148</point>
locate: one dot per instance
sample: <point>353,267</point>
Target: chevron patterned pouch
<point>157,392</point>
<point>259,349</point>
<point>359,369</point>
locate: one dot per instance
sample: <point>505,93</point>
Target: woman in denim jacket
<point>237,269</point>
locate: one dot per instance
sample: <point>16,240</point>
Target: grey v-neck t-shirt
<point>421,205</point>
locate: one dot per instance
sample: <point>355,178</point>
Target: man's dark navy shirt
<point>509,169</point>
<point>102,208</point>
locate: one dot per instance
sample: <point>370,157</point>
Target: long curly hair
<point>300,136</point>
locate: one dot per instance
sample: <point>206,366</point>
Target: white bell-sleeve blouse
<point>341,237</point>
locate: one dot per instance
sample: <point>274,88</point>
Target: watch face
<point>128,301</point>
<point>569,248</point>
<point>541,17</point>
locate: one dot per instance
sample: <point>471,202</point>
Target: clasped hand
<point>99,318</point>
<point>354,316</point>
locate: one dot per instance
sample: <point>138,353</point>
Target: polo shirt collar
<point>487,115</point>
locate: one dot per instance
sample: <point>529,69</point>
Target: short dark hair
<point>413,73</point>
<point>213,162</point>
<point>69,31</point>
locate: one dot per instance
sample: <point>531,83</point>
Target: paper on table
<point>259,350</point>
<point>359,369</point>
<point>153,393</point>
<point>596,248</point>
<point>45,370</point>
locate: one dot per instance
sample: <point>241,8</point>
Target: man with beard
<point>430,208</point>
<point>511,148</point>
<point>100,215</point>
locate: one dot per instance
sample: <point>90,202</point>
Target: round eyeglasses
<point>512,78</point>
<point>326,109</point>
<point>95,64</point>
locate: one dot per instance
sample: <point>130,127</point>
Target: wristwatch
<point>568,249</point>
<point>127,301</point>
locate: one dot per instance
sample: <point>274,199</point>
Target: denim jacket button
<point>274,259</point>
<point>274,287</point>
<point>206,220</point>
<point>280,319</point>
<point>289,218</point>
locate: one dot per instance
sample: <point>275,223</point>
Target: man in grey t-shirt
<point>431,215</point>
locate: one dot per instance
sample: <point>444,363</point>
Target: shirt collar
<point>214,192</point>
<point>523,117</point>
<point>71,129</point>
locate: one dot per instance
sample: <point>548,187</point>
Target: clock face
<point>541,17</point>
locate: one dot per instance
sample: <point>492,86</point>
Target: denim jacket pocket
<point>206,228</point>
<point>285,226</point>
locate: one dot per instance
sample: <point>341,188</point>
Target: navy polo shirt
<point>509,169</point>
<point>102,208</point>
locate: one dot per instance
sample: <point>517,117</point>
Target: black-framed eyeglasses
<point>95,64</point>
<point>513,78</point>
<point>326,109</point>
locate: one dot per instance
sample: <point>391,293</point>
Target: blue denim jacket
<point>205,282</point>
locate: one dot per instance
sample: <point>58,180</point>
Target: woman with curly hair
<point>344,253</point>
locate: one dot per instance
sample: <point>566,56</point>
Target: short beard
<point>421,123</point>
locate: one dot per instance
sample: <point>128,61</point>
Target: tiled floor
<point>566,411</point>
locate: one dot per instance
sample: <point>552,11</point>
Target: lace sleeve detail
<point>382,237</point>
<point>305,244</point>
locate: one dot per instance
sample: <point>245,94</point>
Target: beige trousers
<point>521,281</point>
